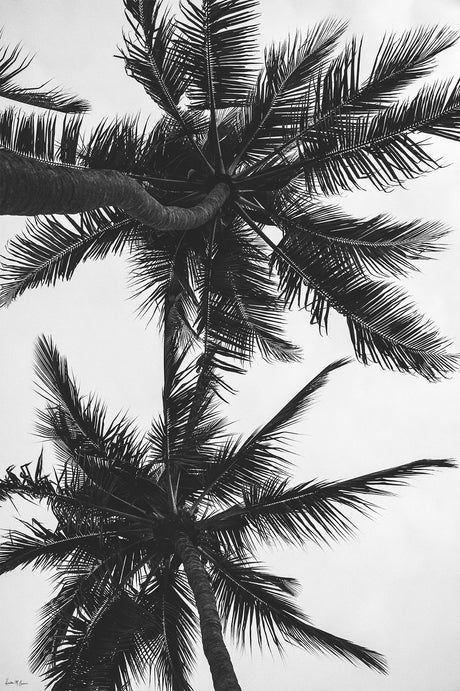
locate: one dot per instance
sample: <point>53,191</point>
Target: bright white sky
<point>394,587</point>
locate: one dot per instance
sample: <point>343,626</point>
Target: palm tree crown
<point>148,527</point>
<point>241,146</point>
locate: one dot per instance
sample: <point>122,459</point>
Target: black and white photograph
<point>230,345</point>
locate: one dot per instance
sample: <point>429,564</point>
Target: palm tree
<point>151,530</point>
<point>241,146</point>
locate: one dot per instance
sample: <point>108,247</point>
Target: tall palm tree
<point>150,531</point>
<point>242,145</point>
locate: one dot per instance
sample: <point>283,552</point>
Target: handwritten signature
<point>15,682</point>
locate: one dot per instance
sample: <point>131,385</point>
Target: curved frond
<point>315,511</point>
<point>383,324</point>
<point>119,637</point>
<point>167,264</point>
<point>262,455</point>
<point>378,245</point>
<point>44,548</point>
<point>179,626</point>
<point>123,144</point>
<point>344,150</point>
<point>108,644</point>
<point>152,56</point>
<point>401,60</point>
<point>103,463</point>
<point>52,248</point>
<point>12,64</point>
<point>254,602</point>
<point>192,422</point>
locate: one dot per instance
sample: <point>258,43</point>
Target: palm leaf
<point>161,154</point>
<point>107,655</point>
<point>51,249</point>
<point>45,548</point>
<point>239,310</point>
<point>263,454</point>
<point>282,87</point>
<point>252,600</point>
<point>152,55</point>
<point>35,136</point>
<point>191,420</point>
<point>344,150</point>
<point>103,460</point>
<point>123,144</point>
<point>400,61</point>
<point>25,484</point>
<point>128,634</point>
<point>219,50</point>
<point>59,388</point>
<point>178,621</point>
<point>167,265</point>
<point>384,327</point>
<point>377,245</point>
<point>91,583</point>
<point>314,511</point>
<point>12,64</point>
<point>155,57</point>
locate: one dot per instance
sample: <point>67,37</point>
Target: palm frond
<point>80,427</point>
<point>52,248</point>
<point>12,64</point>
<point>239,310</point>
<point>434,110</point>
<point>108,644</point>
<point>343,151</point>
<point>191,420</point>
<point>383,324</point>
<point>378,245</point>
<point>124,144</point>
<point>400,61</point>
<point>315,511</point>
<point>36,485</point>
<point>253,601</point>
<point>219,50</point>
<point>403,59</point>
<point>121,635</point>
<point>262,455</point>
<point>343,156</point>
<point>36,136</point>
<point>283,86</point>
<point>113,653</point>
<point>152,57</point>
<point>44,548</point>
<point>89,581</point>
<point>167,265</point>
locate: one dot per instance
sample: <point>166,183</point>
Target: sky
<point>394,587</point>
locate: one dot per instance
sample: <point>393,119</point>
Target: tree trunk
<point>223,674</point>
<point>29,187</point>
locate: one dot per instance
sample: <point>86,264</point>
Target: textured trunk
<point>29,187</point>
<point>223,674</point>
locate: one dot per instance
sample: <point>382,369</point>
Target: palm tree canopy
<point>278,135</point>
<point>121,502</point>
